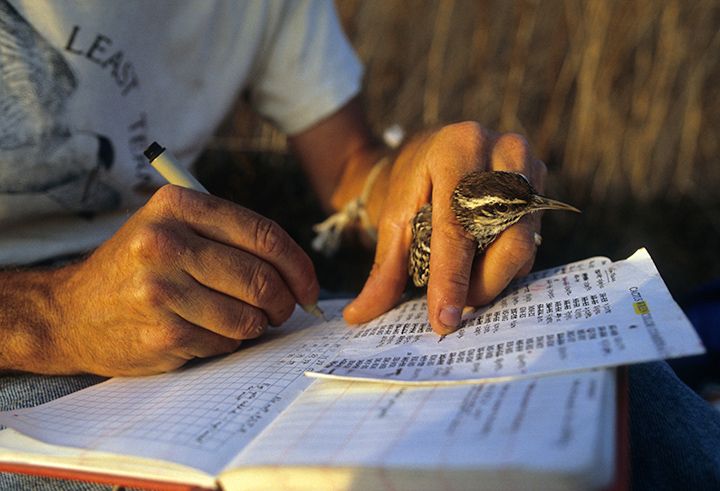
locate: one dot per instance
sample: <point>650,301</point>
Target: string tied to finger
<point>330,231</point>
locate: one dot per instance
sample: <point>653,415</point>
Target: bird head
<point>486,203</point>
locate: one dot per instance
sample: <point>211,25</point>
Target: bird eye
<point>502,208</point>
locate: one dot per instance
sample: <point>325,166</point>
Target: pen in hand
<point>175,174</point>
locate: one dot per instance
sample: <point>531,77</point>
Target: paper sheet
<point>199,416</point>
<point>548,424</point>
<point>585,315</point>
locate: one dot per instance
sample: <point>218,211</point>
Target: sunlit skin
<point>191,275</point>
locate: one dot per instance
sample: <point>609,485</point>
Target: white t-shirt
<point>85,87</point>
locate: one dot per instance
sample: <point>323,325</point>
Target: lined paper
<point>549,424</point>
<point>199,416</point>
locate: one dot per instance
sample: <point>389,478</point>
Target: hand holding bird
<point>428,169</point>
<point>485,204</point>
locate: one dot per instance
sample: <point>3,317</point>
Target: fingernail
<point>450,316</point>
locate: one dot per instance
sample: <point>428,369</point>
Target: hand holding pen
<point>187,276</point>
<point>162,161</point>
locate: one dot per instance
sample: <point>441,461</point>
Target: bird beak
<point>543,203</point>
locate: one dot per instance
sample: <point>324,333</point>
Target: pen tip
<point>313,309</point>
<point>441,338</point>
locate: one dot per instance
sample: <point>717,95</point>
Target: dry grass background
<point>619,98</point>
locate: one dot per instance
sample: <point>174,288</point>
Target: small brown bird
<point>485,204</point>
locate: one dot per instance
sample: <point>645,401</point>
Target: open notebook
<point>252,420</point>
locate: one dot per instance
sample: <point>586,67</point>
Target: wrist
<point>355,176</point>
<point>358,203</point>
<point>31,322</point>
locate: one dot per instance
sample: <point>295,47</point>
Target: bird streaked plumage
<point>485,204</point>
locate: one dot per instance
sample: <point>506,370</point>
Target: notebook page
<point>199,416</point>
<point>587,315</point>
<point>545,425</point>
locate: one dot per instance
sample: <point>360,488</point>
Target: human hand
<point>428,169</point>
<point>189,275</point>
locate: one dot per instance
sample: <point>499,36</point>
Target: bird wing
<point>419,260</point>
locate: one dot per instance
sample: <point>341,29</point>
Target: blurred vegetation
<point>619,98</point>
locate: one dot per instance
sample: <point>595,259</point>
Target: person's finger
<point>537,177</point>
<point>222,221</point>
<point>408,190</point>
<point>214,311</point>
<point>501,262</point>
<point>388,277</point>
<point>511,153</point>
<point>510,251</point>
<point>453,249</point>
<point>239,275</point>
<point>186,340</point>
<point>451,262</point>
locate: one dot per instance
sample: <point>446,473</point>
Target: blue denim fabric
<point>674,434</point>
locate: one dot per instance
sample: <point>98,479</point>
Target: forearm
<point>337,154</point>
<point>29,315</point>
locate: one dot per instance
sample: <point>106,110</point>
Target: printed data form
<point>589,314</point>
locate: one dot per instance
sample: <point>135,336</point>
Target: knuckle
<point>514,143</point>
<point>479,297</point>
<point>263,284</point>
<point>466,129</point>
<point>392,277</point>
<point>458,278</point>
<point>250,324</point>
<point>466,135</point>
<point>241,322</point>
<point>168,197</point>
<point>270,239</point>
<point>255,324</point>
<point>154,292</point>
<point>457,269</point>
<point>171,200</point>
<point>144,241</point>
<point>155,240</point>
<point>457,238</point>
<point>375,272</point>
